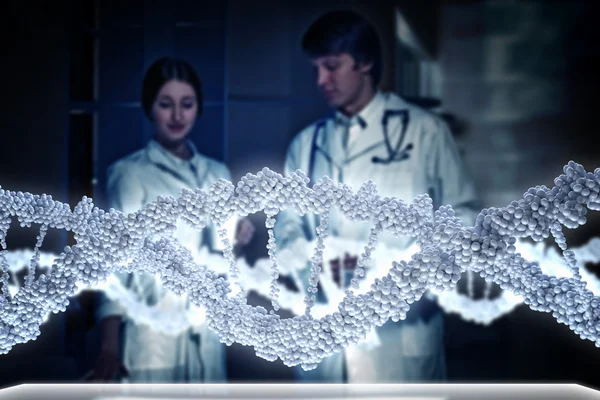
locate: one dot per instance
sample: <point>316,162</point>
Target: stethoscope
<point>395,154</point>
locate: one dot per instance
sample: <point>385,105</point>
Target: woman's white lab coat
<point>410,350</point>
<point>149,355</point>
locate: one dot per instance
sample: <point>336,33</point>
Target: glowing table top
<point>298,391</point>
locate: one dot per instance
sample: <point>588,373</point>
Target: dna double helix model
<point>143,241</point>
<point>483,310</point>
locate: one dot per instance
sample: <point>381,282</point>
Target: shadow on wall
<point>582,49</point>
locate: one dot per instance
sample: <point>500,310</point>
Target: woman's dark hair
<point>162,71</point>
<point>344,32</point>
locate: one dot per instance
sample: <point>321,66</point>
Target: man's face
<point>340,78</point>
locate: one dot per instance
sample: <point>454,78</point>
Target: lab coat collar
<point>373,136</point>
<point>160,155</point>
<point>374,110</point>
<point>394,102</point>
<point>369,115</point>
<point>177,166</point>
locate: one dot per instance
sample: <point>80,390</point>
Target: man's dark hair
<point>344,32</point>
<point>162,71</point>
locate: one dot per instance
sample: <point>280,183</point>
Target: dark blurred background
<point>517,80</point>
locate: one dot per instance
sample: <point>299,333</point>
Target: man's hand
<point>350,262</point>
<point>336,271</point>
<point>338,267</point>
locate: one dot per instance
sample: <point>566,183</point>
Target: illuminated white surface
<point>282,398</point>
<point>300,391</point>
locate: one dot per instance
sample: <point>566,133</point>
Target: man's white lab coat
<point>410,350</point>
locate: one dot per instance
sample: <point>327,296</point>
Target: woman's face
<point>174,111</point>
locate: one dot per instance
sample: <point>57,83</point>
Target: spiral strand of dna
<point>256,277</point>
<point>143,242</point>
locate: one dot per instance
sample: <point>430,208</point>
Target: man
<point>406,151</point>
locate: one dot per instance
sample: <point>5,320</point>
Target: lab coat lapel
<point>332,144</point>
<point>202,171</point>
<point>370,142</point>
<point>371,137</point>
<point>178,169</point>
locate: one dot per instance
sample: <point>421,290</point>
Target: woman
<point>172,101</point>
